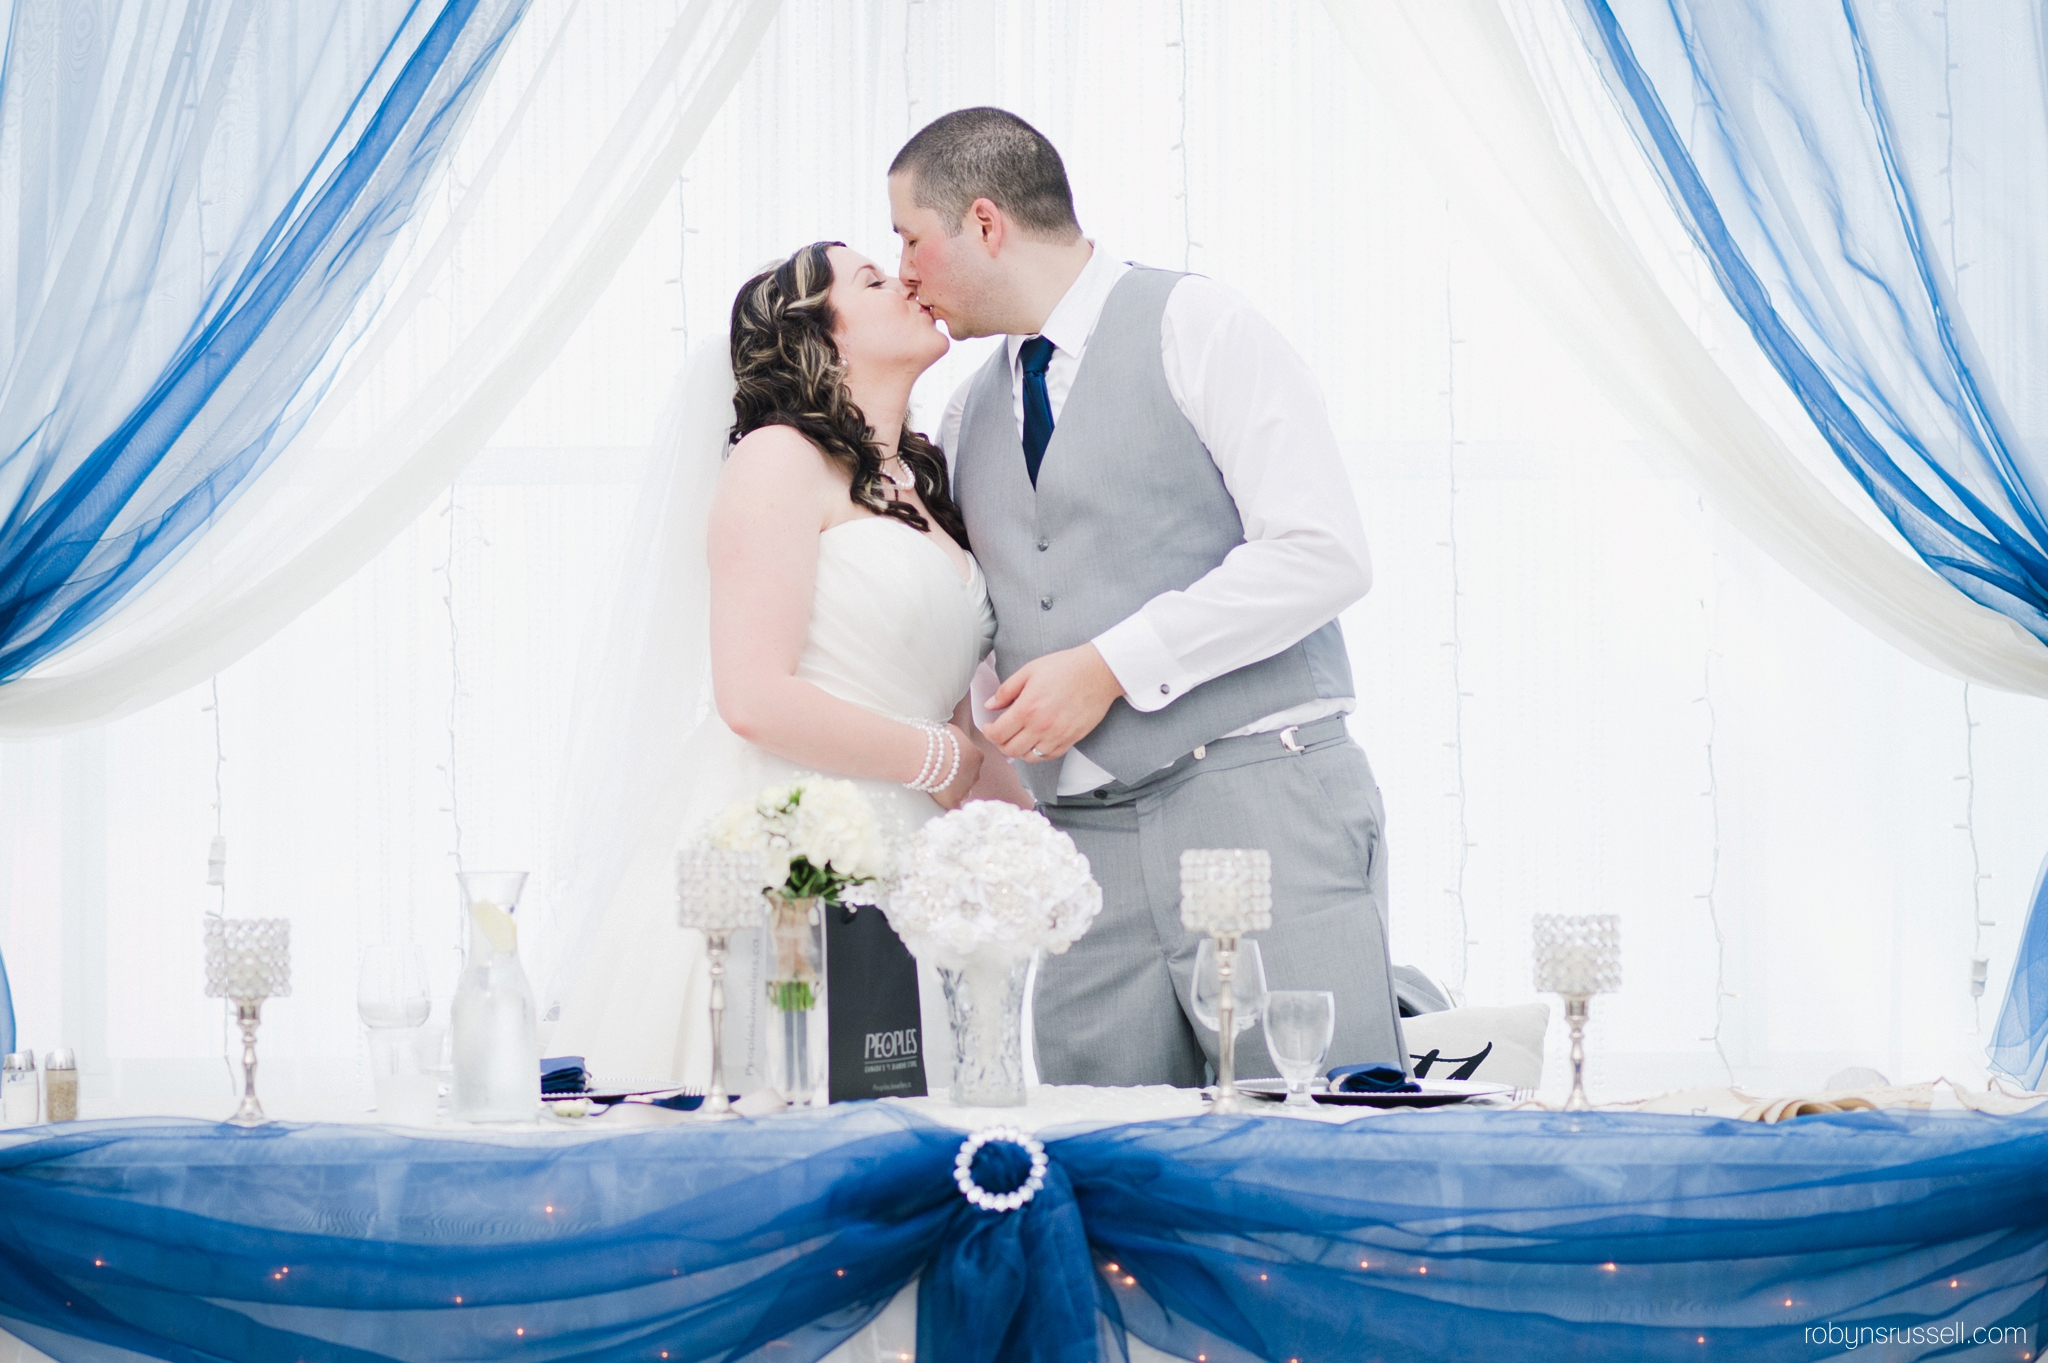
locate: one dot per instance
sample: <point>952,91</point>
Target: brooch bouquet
<point>978,894</point>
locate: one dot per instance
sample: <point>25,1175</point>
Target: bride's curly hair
<point>787,372</point>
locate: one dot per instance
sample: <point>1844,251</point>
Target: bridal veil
<point>643,687</point>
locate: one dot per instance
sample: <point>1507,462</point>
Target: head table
<point>1421,1235</point>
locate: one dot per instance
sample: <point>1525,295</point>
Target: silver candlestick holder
<point>718,892</point>
<point>1226,892</point>
<point>1578,957</point>
<point>248,960</point>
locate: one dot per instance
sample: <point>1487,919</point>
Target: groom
<point>1151,484</point>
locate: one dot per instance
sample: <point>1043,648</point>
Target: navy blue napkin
<point>563,1074</point>
<point>1378,1077</point>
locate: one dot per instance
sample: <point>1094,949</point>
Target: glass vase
<point>497,1057</point>
<point>796,999</point>
<point>985,1003</point>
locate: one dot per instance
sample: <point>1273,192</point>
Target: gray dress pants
<point>1117,1009</point>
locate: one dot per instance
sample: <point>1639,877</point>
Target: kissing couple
<point>1136,511</point>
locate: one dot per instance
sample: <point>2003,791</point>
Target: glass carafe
<point>497,1060</point>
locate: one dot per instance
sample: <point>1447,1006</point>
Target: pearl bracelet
<point>932,753</point>
<point>939,742</point>
<point>953,768</point>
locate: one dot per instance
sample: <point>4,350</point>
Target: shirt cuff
<point>1151,676</point>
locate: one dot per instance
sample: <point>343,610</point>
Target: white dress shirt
<point>1257,408</point>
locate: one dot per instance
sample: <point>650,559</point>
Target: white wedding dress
<point>896,629</point>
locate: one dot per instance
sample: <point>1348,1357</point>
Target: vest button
<point>1045,603</point>
<point>1044,545</point>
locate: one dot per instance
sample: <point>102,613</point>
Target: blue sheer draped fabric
<point>195,200</point>
<point>2019,1041</point>
<point>327,1242</point>
<point>1867,180</point>
<point>1424,1236</point>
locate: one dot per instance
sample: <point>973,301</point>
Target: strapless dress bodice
<point>894,626</point>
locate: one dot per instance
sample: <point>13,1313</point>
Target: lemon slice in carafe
<point>496,926</point>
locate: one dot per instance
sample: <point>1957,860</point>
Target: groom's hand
<point>1051,703</point>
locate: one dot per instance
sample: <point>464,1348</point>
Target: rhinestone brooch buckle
<point>963,1170</point>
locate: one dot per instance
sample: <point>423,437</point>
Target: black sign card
<point>871,1008</point>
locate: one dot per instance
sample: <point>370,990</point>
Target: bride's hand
<point>955,794</point>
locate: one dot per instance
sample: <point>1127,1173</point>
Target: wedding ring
<point>1035,752</point>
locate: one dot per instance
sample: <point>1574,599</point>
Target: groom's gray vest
<point>1128,505</point>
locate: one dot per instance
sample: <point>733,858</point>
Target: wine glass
<point>1299,1025</point>
<point>391,986</point>
<point>392,999</point>
<point>1247,985</point>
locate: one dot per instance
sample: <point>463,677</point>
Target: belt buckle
<point>1289,741</point>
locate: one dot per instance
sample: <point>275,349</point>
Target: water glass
<point>1247,986</point>
<point>393,1001</point>
<point>1299,1025</point>
<point>406,1075</point>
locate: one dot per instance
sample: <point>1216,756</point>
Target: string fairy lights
<point>910,99</point>
<point>217,863</point>
<point>1456,643</point>
<point>1187,221</point>
<point>217,850</point>
<point>1980,964</point>
<point>682,280</point>
<point>1710,615</point>
<point>453,809</point>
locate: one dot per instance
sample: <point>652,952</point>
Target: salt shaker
<point>19,1096</point>
<point>60,1086</point>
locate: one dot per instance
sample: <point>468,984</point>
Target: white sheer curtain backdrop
<point>1503,118</point>
<point>1582,687</point>
<point>579,139</point>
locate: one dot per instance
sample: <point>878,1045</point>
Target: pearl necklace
<point>890,478</point>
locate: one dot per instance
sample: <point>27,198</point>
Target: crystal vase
<point>985,1004</point>
<point>497,1058</point>
<point>796,998</point>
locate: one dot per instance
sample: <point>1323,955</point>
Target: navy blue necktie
<point>1036,354</point>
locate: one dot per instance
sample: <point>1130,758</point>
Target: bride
<point>846,617</point>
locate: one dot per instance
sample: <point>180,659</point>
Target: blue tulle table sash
<point>1420,1236</point>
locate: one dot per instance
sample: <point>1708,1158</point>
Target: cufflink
<point>1165,689</point>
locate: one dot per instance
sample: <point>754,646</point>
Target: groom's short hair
<point>989,154</point>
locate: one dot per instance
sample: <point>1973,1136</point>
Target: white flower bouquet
<point>990,879</point>
<point>820,842</point>
<point>820,836</point>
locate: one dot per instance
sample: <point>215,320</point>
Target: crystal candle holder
<point>1577,957</point>
<point>718,892</point>
<point>248,960</point>
<point>1226,892</point>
